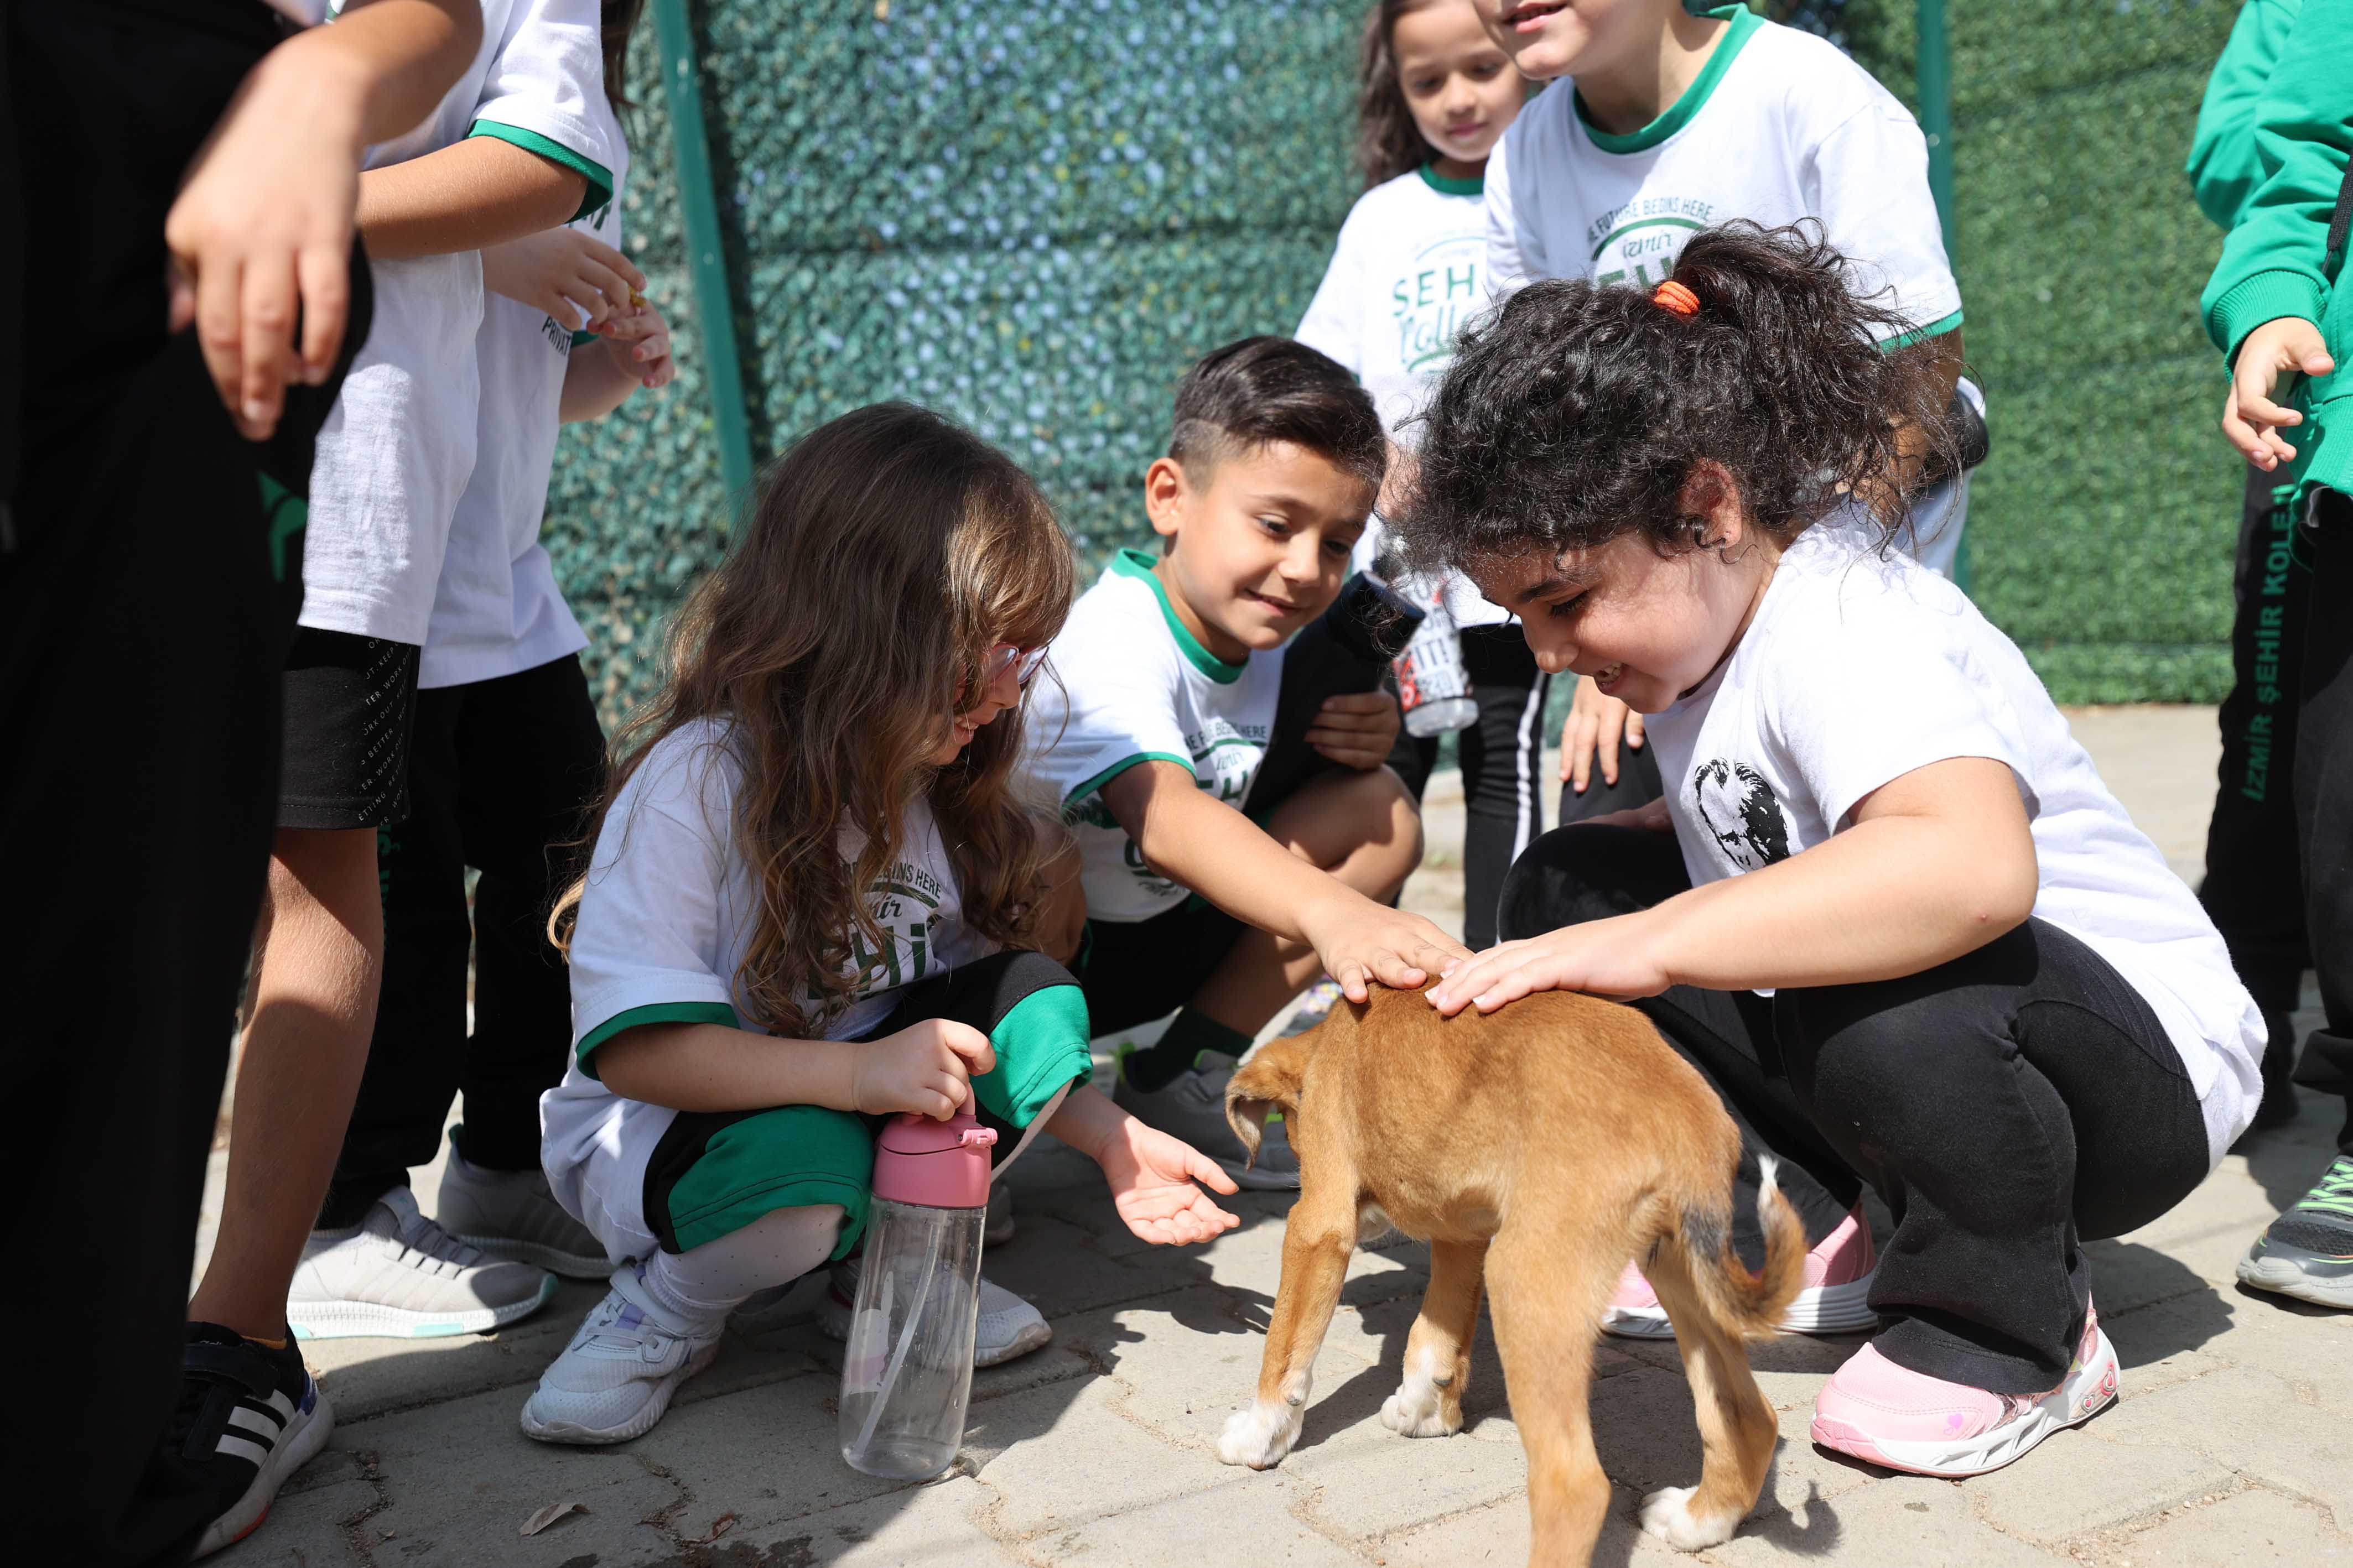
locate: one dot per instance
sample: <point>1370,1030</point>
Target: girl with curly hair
<point>1886,905</point>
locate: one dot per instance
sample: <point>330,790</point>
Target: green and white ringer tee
<point>1125,684</point>
<point>1779,126</point>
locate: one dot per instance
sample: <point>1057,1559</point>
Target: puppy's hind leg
<point>1317,1241</point>
<point>1428,1403</point>
<point>1736,1426</point>
<point>1548,1289</point>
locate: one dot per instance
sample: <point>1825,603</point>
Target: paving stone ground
<point>2232,1445</point>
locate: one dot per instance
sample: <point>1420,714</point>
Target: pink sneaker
<point>1835,1300</point>
<point>1905,1420</point>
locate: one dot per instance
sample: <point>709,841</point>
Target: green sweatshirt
<point>2223,169</point>
<point>2275,261</point>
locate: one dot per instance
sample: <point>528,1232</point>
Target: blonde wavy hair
<point>882,557</point>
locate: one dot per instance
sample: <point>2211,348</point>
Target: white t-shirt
<point>497,610</point>
<point>1408,273</point>
<point>398,448</point>
<point>1857,670</point>
<point>1779,126</point>
<point>667,915</point>
<point>1126,683</point>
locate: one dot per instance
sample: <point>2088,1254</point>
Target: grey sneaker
<point>1192,1107</point>
<point>511,1214</point>
<point>2307,1252</point>
<point>1008,1326</point>
<point>397,1275</point>
<point>998,1230</point>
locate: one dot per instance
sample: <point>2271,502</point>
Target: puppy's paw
<point>1418,1409</point>
<point>1668,1514</point>
<point>1258,1435</point>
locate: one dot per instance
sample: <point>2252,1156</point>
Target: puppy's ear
<point>1269,1082</point>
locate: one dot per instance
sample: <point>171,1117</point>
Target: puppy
<point>1537,1149</point>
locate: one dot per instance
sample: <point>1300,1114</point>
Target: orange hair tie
<point>1672,295</point>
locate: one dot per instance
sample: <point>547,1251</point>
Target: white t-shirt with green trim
<point>1407,274</point>
<point>399,446</point>
<point>1779,126</point>
<point>1125,684</point>
<point>496,608</point>
<point>1860,669</point>
<point>666,918</point>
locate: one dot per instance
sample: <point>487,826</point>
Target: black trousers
<point>1500,754</point>
<point>146,594</point>
<point>2008,1105</point>
<point>502,774</point>
<point>1638,784</point>
<point>2323,793</point>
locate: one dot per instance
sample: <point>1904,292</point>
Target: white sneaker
<point>511,1213</point>
<point>1008,1327</point>
<point>615,1378</point>
<point>399,1276</point>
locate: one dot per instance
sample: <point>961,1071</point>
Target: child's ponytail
<point>1577,411</point>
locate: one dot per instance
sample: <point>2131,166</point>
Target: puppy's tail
<point>1750,1305</point>
<point>1269,1082</point>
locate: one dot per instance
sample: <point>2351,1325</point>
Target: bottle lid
<point>939,1164</point>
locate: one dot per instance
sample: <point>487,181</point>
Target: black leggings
<point>2007,1105</point>
<point>1503,800</point>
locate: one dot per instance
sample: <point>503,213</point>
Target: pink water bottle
<point>906,1375</point>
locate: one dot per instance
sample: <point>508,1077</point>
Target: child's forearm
<point>1088,1122</point>
<point>595,382</point>
<point>1885,898</point>
<point>387,62</point>
<point>712,1067</point>
<point>480,191</point>
<point>1211,848</point>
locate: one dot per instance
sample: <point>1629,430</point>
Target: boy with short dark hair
<point>1203,894</point>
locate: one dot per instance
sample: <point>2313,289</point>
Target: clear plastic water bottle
<point>1431,687</point>
<point>906,1375</point>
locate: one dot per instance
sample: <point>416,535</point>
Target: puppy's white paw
<point>1416,1410</point>
<point>1258,1435</point>
<point>1667,1514</point>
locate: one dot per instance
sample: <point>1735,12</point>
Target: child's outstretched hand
<point>576,281</point>
<point>639,343</point>
<point>2272,353</point>
<point>1356,728</point>
<point>1361,941</point>
<point>1152,1176</point>
<point>926,1067</point>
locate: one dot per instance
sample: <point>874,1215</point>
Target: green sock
<point>1190,1034</point>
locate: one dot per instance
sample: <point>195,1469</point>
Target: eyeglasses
<point>1005,657</point>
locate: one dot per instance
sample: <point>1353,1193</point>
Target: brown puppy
<point>1537,1148</point>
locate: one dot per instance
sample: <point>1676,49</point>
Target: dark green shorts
<point>714,1172</point>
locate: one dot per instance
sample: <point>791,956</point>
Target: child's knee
<point>1369,817</point>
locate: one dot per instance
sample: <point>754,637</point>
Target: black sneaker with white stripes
<point>249,1417</point>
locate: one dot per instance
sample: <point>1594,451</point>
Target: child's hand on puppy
<point>1603,958</point>
<point>926,1067</point>
<point>1361,942</point>
<point>1356,728</point>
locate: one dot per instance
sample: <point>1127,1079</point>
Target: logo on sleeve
<point>1740,812</point>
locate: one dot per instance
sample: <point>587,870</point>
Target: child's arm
<point>481,191</point>
<point>260,237</point>
<point>926,1067</point>
<point>2272,282</point>
<point>2223,169</point>
<point>1939,862</point>
<point>1208,846</point>
<point>1152,1175</point>
<point>630,351</point>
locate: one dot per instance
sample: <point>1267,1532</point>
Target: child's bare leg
<point>320,958</point>
<point>1361,828</point>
